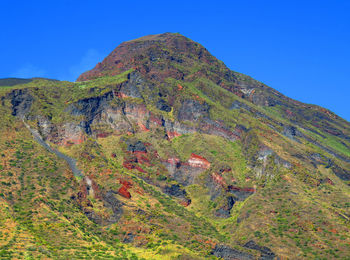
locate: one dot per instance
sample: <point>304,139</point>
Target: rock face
<point>186,172</point>
<point>21,101</point>
<point>266,253</point>
<point>192,110</point>
<point>228,253</point>
<point>197,161</point>
<point>157,57</point>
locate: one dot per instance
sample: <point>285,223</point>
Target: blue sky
<point>300,48</point>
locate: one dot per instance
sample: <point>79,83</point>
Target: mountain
<point>162,152</point>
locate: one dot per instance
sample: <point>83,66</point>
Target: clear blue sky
<point>300,48</point>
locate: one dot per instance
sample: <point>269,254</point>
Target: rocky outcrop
<point>198,161</point>
<point>292,133</point>
<point>110,201</point>
<point>89,108</point>
<point>225,210</point>
<point>186,172</point>
<point>135,146</point>
<point>240,193</point>
<point>21,101</point>
<point>265,252</point>
<point>177,191</point>
<point>192,110</point>
<point>228,253</point>
<point>130,88</point>
<point>124,189</point>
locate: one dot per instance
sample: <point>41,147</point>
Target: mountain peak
<point>159,37</point>
<point>156,56</point>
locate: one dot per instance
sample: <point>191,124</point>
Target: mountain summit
<point>162,152</point>
<point>157,56</point>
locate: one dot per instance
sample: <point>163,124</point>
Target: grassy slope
<point>288,214</point>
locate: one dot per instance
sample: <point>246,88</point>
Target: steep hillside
<point>162,152</point>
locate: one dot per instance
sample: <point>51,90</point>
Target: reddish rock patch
<point>171,135</point>
<point>124,192</point>
<point>218,179</point>
<point>143,127</point>
<point>235,188</point>
<point>198,161</point>
<point>126,184</point>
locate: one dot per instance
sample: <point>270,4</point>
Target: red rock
<point>143,127</point>
<point>124,192</point>
<point>171,135</point>
<point>198,161</point>
<point>218,179</point>
<point>126,184</point>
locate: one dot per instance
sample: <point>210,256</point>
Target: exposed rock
<point>340,172</point>
<point>112,202</point>
<point>228,253</point>
<point>266,253</point>
<point>237,105</point>
<point>184,172</point>
<point>192,110</point>
<point>292,133</point>
<point>175,190</point>
<point>174,129</point>
<point>137,146</point>
<point>240,193</point>
<point>130,88</point>
<point>198,161</point>
<point>162,105</point>
<point>209,126</point>
<point>70,133</point>
<point>21,101</point>
<point>45,127</point>
<point>225,210</point>
<point>123,191</point>
<point>90,108</point>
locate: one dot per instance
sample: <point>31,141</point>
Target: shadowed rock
<point>21,101</point>
<point>162,105</point>
<point>225,211</point>
<point>266,253</point>
<point>192,110</point>
<point>112,202</point>
<point>228,253</point>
